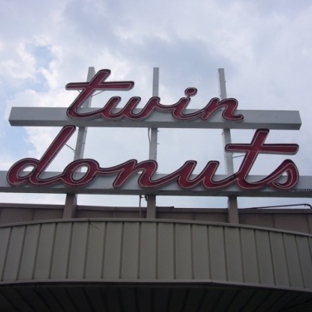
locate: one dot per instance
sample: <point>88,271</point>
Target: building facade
<point>84,258</point>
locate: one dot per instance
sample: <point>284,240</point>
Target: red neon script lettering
<point>99,82</point>
<point>147,169</point>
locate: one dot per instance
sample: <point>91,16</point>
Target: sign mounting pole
<point>71,199</point>
<point>232,200</point>
<point>151,199</point>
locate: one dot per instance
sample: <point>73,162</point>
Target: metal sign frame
<point>221,115</point>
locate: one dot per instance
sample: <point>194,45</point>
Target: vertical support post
<point>71,199</point>
<point>151,199</point>
<point>232,200</point>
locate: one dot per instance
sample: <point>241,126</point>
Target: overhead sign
<point>148,168</point>
<point>177,109</point>
<point>283,181</point>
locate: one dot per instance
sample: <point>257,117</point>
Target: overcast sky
<point>265,47</point>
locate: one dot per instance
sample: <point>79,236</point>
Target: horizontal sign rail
<point>104,185</point>
<point>253,119</point>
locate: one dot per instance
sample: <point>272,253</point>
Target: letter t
<point>88,88</point>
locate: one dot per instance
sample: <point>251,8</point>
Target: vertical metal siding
<point>165,247</point>
<point>279,259</point>
<point>305,260</point>
<point>130,251</point>
<point>78,250</point>
<point>112,252</point>
<point>183,252</point>
<point>44,251</point>
<point>95,251</point>
<point>293,262</point>
<point>14,252</point>
<point>148,251</point>
<point>217,253</point>
<point>200,252</point>
<point>249,256</point>
<point>61,250</point>
<point>4,243</point>
<point>27,266</point>
<point>264,254</point>
<point>123,250</point>
<point>234,261</point>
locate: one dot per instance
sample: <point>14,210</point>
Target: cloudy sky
<point>265,47</point>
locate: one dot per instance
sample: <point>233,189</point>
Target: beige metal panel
<point>165,247</point>
<point>14,253</point>
<point>305,260</point>
<point>183,252</point>
<point>309,218</point>
<point>279,259</point>
<point>215,217</point>
<point>78,248</point>
<point>293,262</point>
<point>95,250</point>
<point>108,213</point>
<point>136,250</point>
<point>249,256</point>
<point>148,251</point>
<point>299,220</point>
<point>9,215</point>
<point>200,252</point>
<point>29,252</point>
<point>112,253</point>
<point>130,250</point>
<point>61,250</point>
<point>4,243</point>
<point>264,258</point>
<point>92,214</point>
<point>217,253</point>
<point>46,214</point>
<point>44,251</point>
<point>291,222</point>
<point>259,219</point>
<point>234,254</point>
<point>173,215</point>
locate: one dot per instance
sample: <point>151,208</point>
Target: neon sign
<point>284,177</point>
<point>176,109</point>
<point>148,168</point>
